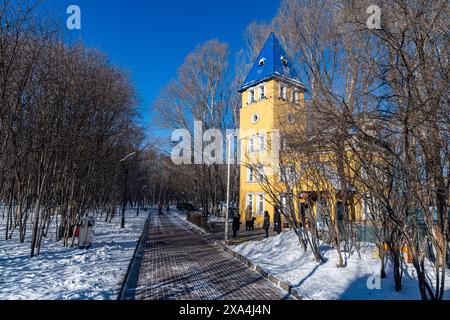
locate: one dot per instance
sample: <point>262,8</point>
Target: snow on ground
<point>70,273</point>
<point>283,257</point>
<point>183,217</point>
<point>216,219</point>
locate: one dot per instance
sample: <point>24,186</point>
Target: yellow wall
<point>272,110</point>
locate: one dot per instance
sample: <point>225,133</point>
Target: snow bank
<point>182,216</point>
<point>69,273</point>
<point>283,257</point>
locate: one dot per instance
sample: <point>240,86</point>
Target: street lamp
<point>124,204</point>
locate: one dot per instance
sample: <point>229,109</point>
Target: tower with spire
<point>270,90</point>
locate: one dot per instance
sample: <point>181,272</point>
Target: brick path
<point>175,263</point>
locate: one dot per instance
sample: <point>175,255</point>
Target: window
<point>296,97</point>
<point>283,201</point>
<point>262,92</point>
<point>288,174</point>
<point>284,145</point>
<point>261,142</point>
<point>286,201</point>
<point>321,210</point>
<point>249,200</point>
<point>367,201</point>
<point>260,174</point>
<point>340,210</point>
<point>303,207</point>
<point>284,60</point>
<point>250,174</point>
<point>291,118</point>
<point>251,144</point>
<point>255,118</point>
<point>251,96</point>
<point>260,203</point>
<point>262,62</point>
<point>283,92</point>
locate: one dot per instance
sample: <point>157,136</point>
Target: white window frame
<point>250,175</point>
<point>259,175</point>
<point>321,207</point>
<point>262,92</point>
<point>296,96</point>
<point>366,208</point>
<point>283,201</point>
<point>261,142</point>
<point>259,209</point>
<point>288,174</point>
<point>249,196</point>
<point>251,92</point>
<point>283,91</point>
<point>251,144</point>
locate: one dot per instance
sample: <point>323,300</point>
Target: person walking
<point>277,220</point>
<point>168,209</point>
<point>236,224</point>
<point>248,218</point>
<point>160,209</point>
<point>266,225</point>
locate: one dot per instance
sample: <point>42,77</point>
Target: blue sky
<point>150,38</point>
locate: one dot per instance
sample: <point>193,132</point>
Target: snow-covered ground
<point>216,219</point>
<point>182,216</point>
<point>69,273</point>
<point>283,257</point>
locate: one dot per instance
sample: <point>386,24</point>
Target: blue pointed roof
<point>272,62</point>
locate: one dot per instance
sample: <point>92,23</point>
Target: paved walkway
<point>175,263</point>
<point>243,235</point>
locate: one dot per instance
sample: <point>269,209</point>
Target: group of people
<point>250,222</point>
<point>161,208</point>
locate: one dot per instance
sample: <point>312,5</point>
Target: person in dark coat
<point>248,218</point>
<point>252,224</point>
<point>266,225</point>
<point>236,224</point>
<point>160,209</point>
<point>277,221</point>
<point>168,209</point>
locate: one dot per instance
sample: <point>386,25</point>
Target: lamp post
<point>124,204</point>
<point>227,214</point>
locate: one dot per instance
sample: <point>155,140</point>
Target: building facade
<point>271,86</point>
<point>270,91</point>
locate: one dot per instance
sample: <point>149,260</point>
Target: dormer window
<point>284,60</point>
<point>262,62</point>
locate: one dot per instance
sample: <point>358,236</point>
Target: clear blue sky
<point>150,38</point>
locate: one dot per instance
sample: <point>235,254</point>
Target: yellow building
<point>269,91</point>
